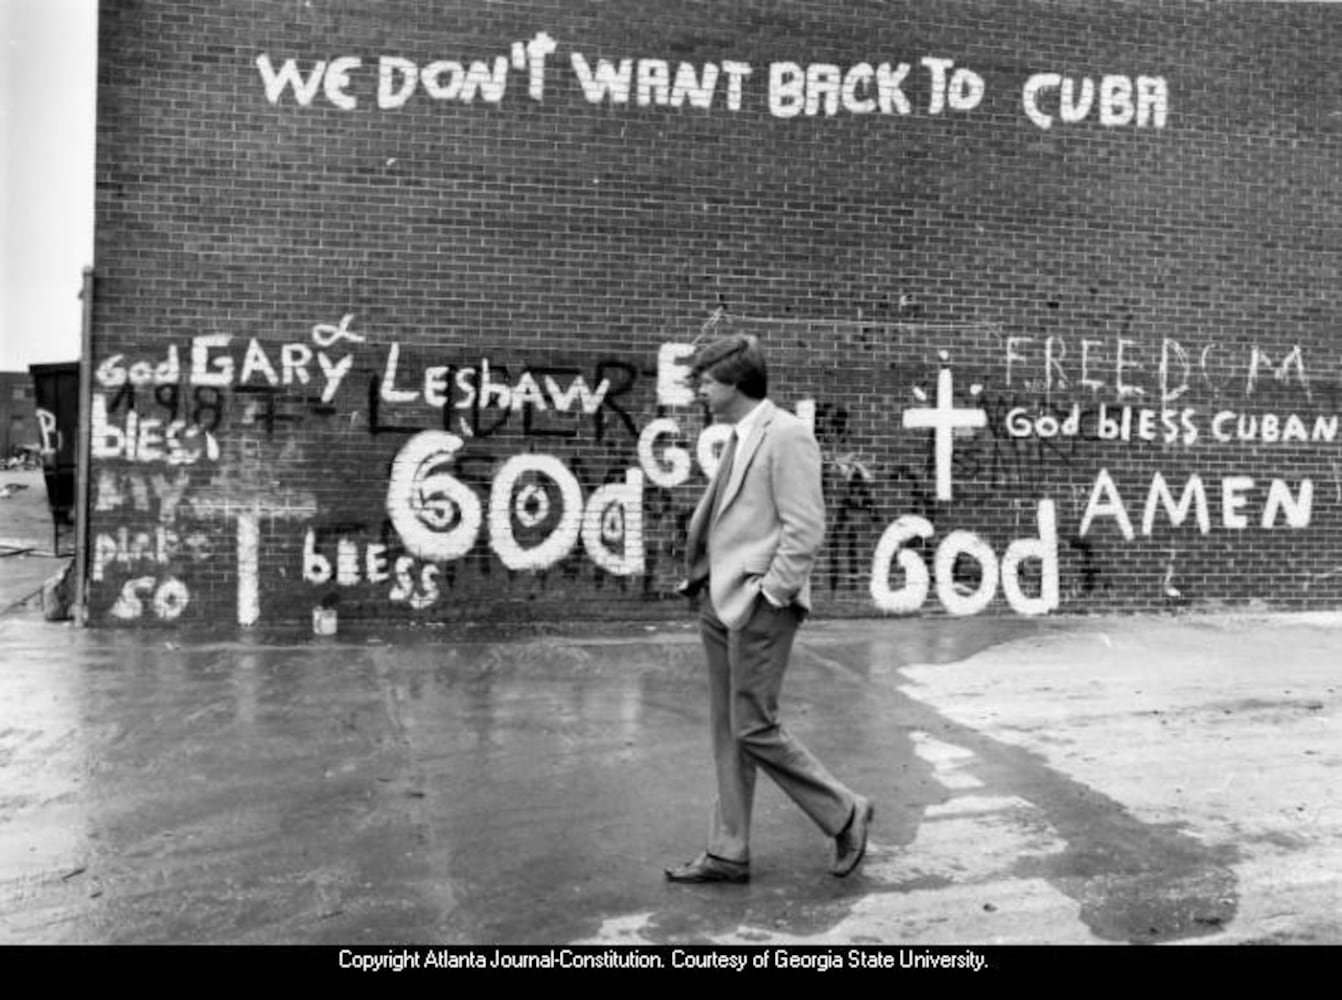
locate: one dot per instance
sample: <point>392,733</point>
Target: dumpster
<point>56,388</point>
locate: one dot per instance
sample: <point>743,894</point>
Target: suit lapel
<point>745,454</point>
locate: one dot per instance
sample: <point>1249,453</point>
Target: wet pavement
<point>27,554</point>
<point>1055,781</point>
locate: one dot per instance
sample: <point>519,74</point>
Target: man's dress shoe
<point>707,868</point>
<point>851,844</point>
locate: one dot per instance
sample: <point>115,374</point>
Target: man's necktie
<point>724,472</point>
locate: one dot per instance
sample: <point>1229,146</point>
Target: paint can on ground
<point>323,621</point>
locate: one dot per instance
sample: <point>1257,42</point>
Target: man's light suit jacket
<point>769,523</point>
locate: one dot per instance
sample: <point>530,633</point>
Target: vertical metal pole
<point>82,450</point>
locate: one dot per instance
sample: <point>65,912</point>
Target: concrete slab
<point>1060,781</point>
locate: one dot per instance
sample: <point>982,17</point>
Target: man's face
<point>719,396</point>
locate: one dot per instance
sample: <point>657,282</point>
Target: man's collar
<point>750,421</point>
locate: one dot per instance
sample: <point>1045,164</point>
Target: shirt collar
<point>747,424</point>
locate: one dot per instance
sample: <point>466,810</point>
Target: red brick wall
<point>389,317</point>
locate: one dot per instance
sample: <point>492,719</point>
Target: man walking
<point>752,543</point>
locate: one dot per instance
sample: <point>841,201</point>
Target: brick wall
<point>18,414</point>
<point>393,301</point>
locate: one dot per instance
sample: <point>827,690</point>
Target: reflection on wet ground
<point>378,787</point>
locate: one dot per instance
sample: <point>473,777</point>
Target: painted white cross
<point>944,418</point>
